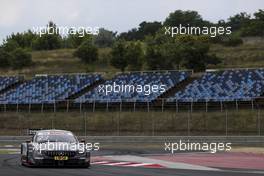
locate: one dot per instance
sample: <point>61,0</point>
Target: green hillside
<point>248,55</point>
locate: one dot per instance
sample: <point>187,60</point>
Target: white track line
<point>118,164</point>
<point>140,164</point>
<point>101,162</point>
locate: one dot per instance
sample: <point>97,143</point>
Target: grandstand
<point>228,85</point>
<point>8,81</point>
<point>181,86</point>
<point>48,89</point>
<point>170,79</point>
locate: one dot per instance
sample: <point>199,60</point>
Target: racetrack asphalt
<point>10,166</point>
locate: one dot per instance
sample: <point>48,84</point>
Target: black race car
<point>54,148</point>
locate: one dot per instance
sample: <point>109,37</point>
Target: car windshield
<point>42,138</point>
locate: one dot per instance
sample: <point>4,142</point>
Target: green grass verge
<point>242,122</point>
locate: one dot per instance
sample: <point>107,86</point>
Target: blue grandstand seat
<point>6,81</point>
<point>229,85</point>
<point>47,89</point>
<point>169,79</point>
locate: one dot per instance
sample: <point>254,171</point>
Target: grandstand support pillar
<point>162,105</point>
<point>67,106</point>
<point>29,108</point>
<point>80,107</point>
<point>42,107</point>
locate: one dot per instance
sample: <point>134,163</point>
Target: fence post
<point>118,124</point>
<point>17,107</point>
<point>177,106</point>
<point>107,106</point>
<point>85,124</point>
<point>188,123</point>
<point>226,123</point>
<point>5,107</point>
<point>52,121</point>
<point>153,124</point>
<point>162,106</point>
<point>93,105</point>
<point>29,108</point>
<point>134,105</point>
<point>206,106</point>
<point>252,104</point>
<point>191,106</point>
<point>42,107</point>
<point>236,105</point>
<point>120,106</point>
<point>221,104</point>
<point>259,122</point>
<point>67,106</point>
<point>80,107</point>
<point>148,106</point>
<point>54,110</point>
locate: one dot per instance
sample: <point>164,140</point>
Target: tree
<point>156,58</point>
<point>144,29</point>
<point>134,55</point>
<point>255,26</point>
<point>4,58</point>
<point>184,18</point>
<point>238,21</point>
<point>259,15</point>
<point>105,38</point>
<point>118,56</point>
<point>87,52</point>
<point>74,40</point>
<point>22,40</point>
<point>50,40</point>
<point>20,58</point>
<point>10,45</point>
<point>194,55</point>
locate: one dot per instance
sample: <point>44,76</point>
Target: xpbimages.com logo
<point>65,30</point>
<point>126,88</point>
<point>211,147</point>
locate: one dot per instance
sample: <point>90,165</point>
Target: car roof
<point>53,131</point>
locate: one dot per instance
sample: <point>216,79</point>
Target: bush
<point>134,55</point>
<point>4,58</point>
<point>118,54</point>
<point>47,42</point>
<point>20,58</point>
<point>232,41</point>
<point>87,52</point>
